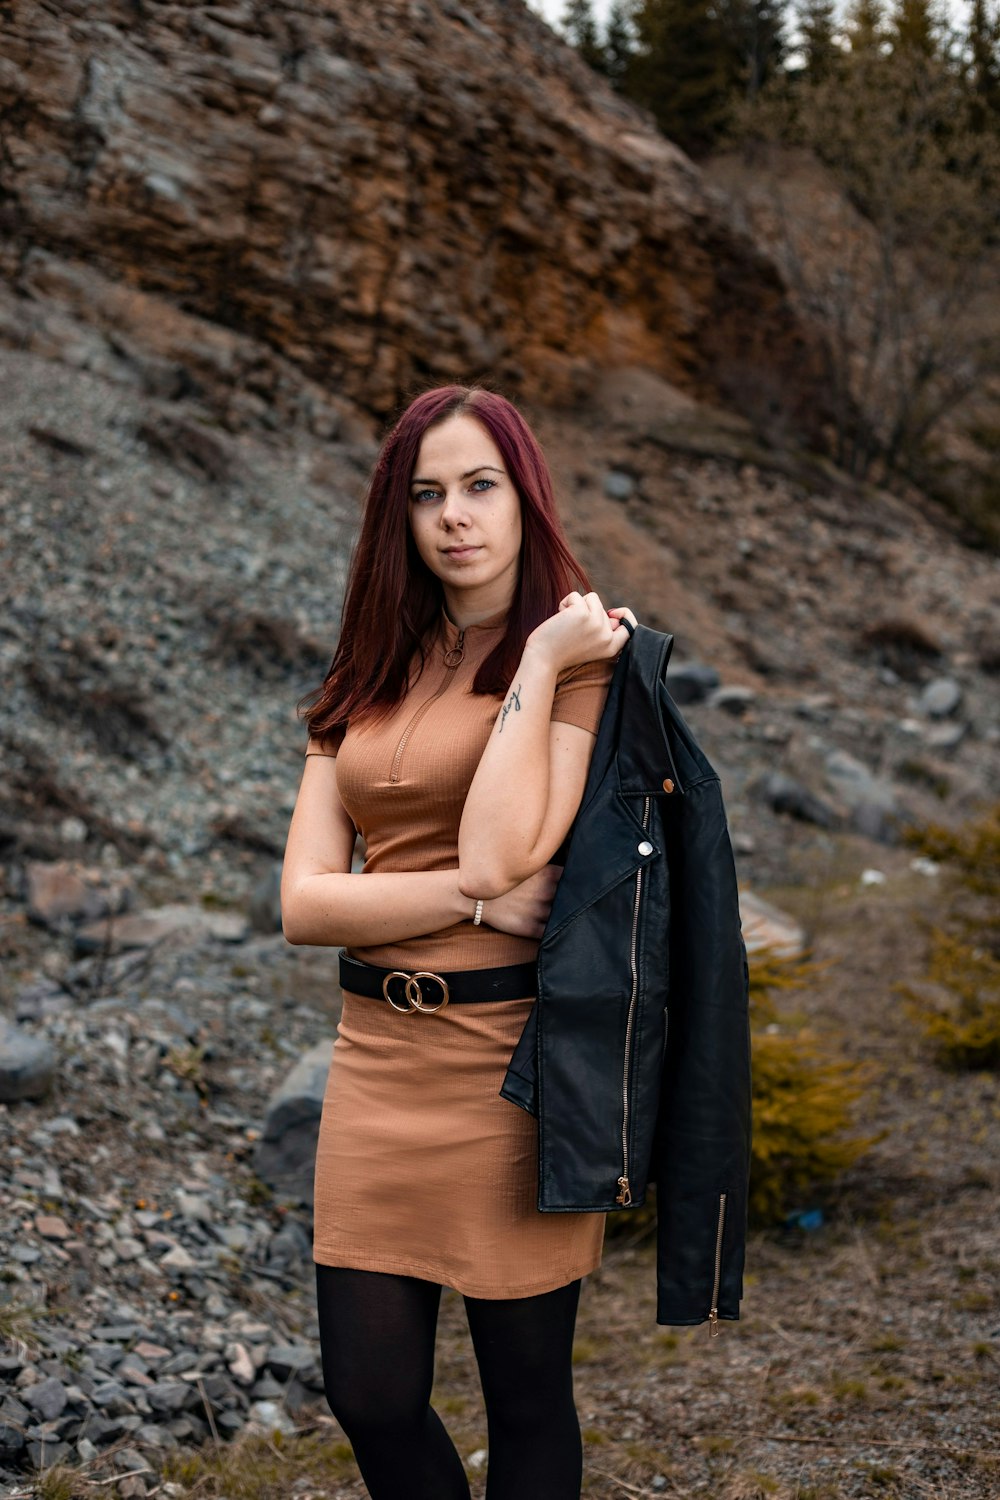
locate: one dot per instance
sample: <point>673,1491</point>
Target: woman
<point>456,724</point>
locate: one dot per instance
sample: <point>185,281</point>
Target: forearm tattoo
<point>514,701</point>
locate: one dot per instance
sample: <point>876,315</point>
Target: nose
<point>453,509</point>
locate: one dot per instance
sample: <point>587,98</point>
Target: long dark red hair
<point>392,599</point>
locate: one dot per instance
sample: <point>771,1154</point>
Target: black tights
<point>377,1334</point>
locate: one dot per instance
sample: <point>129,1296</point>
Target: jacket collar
<point>636,718</point>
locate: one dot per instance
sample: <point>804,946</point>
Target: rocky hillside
<point>273,206</point>
<point>233,238</point>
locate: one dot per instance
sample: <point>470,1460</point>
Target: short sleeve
<point>330,743</point>
<point>581,693</point>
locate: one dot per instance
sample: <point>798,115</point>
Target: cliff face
<point>270,206</point>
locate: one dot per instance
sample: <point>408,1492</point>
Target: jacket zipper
<point>448,680</point>
<point>624,1195</point>
<point>713,1317</point>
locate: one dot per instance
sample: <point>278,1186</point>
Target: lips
<point>460,552</point>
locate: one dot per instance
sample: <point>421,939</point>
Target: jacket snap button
<point>645,847</point>
<point>668,785</point>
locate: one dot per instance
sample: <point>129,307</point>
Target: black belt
<point>409,992</point>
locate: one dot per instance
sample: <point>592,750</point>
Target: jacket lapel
<point>602,852</point>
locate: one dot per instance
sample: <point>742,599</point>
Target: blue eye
<point>419,494</point>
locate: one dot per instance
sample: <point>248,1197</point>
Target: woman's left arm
<point>530,779</point>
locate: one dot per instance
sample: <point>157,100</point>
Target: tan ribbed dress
<point>421,1168</point>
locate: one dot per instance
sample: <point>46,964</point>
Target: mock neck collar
<point>494,622</point>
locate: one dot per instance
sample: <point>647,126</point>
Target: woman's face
<point>465,515</point>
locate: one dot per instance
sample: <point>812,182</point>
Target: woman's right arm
<point>324,904</point>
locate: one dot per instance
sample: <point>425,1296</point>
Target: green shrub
<point>803,1096</point>
<point>803,1100</point>
<point>963,963</point>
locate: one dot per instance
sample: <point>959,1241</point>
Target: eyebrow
<point>467,475</point>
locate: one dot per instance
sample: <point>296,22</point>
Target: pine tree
<point>913,28</point>
<point>982,74</point>
<point>816,24</point>
<point>680,70</point>
<point>619,43</point>
<point>866,25</point>
<point>580,30</point>
<point>755,33</point>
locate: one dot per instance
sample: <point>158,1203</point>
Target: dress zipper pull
<point>625,1196</point>
<point>713,1323</point>
<point>453,656</point>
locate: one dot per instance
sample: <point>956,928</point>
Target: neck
<point>468,606</point>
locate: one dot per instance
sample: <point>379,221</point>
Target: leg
<point>524,1347</point>
<point>377,1335</point>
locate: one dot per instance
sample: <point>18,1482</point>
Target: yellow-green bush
<point>803,1099</point>
<point>963,963</point>
<point>803,1096</point>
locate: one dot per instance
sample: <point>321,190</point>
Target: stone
<point>872,801</point>
<point>47,1397</point>
<point>234,1236</point>
<point>286,1153</point>
<point>691,682</point>
<point>787,795</point>
<point>178,1259</point>
<point>734,698</point>
<point>65,889</point>
<point>112,1399</point>
<point>39,1000</point>
<point>116,1332</point>
<point>145,929</point>
<point>194,1206</point>
<point>285,1359</point>
<point>268,1416</point>
<point>945,736</point>
<point>168,1396</point>
<point>765,925</point>
<point>264,907</point>
<point>266,1388</point>
<point>27,1064</point>
<point>229,1422</point>
<point>100,1429</point>
<point>618,485</point>
<point>239,1363</point>
<point>940,697</point>
<point>45,1455</point>
<point>290,1246</point>
<point>150,1352</point>
<point>127,1459</point>
<point>52,1227</point>
<point>14,1418</point>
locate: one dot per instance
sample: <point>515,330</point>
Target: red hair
<point>392,599</point>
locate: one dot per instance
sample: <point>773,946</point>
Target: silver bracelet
<point>477,919</point>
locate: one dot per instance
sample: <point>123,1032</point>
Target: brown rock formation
<point>270,207</point>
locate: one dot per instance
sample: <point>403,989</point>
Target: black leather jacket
<point>636,1055</point>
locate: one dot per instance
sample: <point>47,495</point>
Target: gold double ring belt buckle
<point>414,994</point>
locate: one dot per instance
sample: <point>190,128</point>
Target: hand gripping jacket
<point>636,1055</point>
